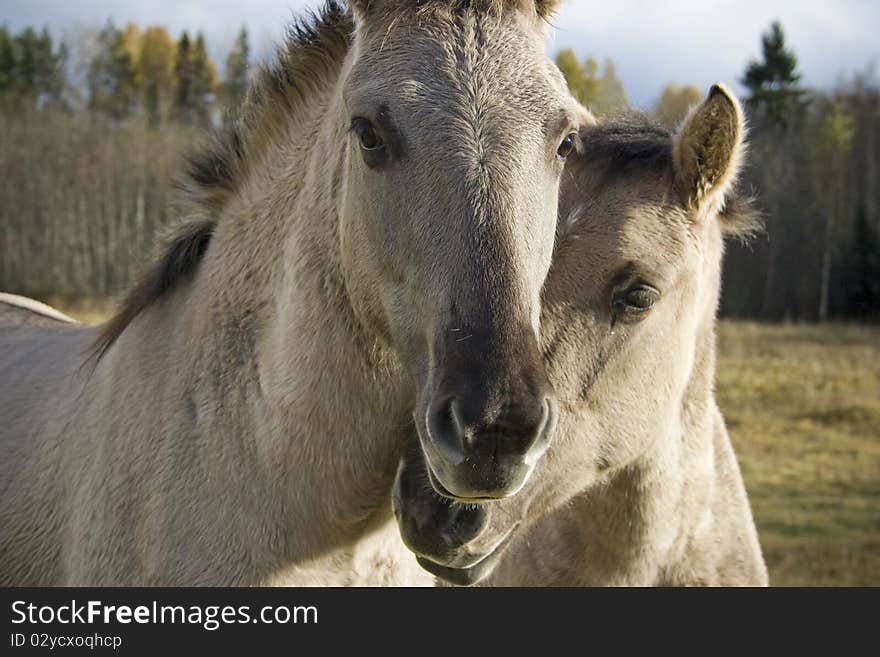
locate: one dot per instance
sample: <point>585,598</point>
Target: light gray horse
<point>654,492</point>
<point>368,245</point>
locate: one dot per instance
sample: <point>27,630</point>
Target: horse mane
<point>387,9</point>
<point>632,140</point>
<point>313,48</point>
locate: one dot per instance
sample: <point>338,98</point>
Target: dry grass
<point>803,407</point>
<point>88,311</point>
<point>802,403</point>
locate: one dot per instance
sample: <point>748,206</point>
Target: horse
<point>365,248</point>
<point>641,485</point>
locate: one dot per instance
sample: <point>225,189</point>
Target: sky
<point>652,43</point>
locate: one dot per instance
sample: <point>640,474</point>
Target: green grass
<point>802,403</point>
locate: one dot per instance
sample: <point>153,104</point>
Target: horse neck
<point>323,405</point>
<point>698,409</point>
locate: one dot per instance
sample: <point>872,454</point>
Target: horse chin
<point>468,569</point>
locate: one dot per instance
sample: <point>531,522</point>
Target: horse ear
<point>708,150</point>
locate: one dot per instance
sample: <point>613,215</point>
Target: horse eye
<point>638,299</point>
<point>370,141</point>
<point>566,148</point>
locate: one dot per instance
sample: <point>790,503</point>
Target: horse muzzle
<point>451,540</point>
<point>471,460</point>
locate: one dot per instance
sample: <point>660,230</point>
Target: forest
<point>90,151</point>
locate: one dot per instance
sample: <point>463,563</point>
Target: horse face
<point>459,131</point>
<point>632,292</point>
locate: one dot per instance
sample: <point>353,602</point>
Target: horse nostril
<point>460,430</point>
<point>458,422</point>
<point>446,428</point>
<point>544,430</point>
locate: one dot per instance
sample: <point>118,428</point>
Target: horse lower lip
<point>457,576</point>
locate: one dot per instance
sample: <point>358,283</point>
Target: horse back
<point>16,310</point>
<point>41,357</point>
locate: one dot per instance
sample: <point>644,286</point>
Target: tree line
<point>86,166</point>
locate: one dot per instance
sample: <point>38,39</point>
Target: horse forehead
<point>478,66</point>
<point>495,52</point>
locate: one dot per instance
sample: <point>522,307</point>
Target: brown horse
<point>641,485</point>
<point>368,245</point>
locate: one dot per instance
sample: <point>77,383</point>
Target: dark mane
<point>180,257</point>
<point>313,48</point>
<point>634,141</point>
<point>390,8</point>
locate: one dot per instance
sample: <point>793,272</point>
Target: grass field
<point>803,406</point>
<point>802,403</point>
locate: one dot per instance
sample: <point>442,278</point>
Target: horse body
<point>107,490</point>
<point>241,418</point>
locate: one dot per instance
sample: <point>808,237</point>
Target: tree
<point>835,138</point>
<point>235,86</point>
<point>31,69</point>
<point>568,64</point>
<point>7,62</point>
<point>612,97</point>
<point>772,82</point>
<point>864,290</point>
<point>674,103</point>
<point>112,75</point>
<point>183,78</point>
<point>196,78</point>
<point>591,90</point>
<point>155,66</point>
<point>600,93</point>
<point>204,80</point>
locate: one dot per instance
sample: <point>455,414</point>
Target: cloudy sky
<point>652,43</point>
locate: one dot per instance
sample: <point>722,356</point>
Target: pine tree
<point>196,78</point>
<point>183,75</point>
<point>31,69</point>
<point>236,83</point>
<point>7,64</point>
<point>112,76</point>
<point>772,82</point>
<point>204,79</point>
<point>50,76</point>
<point>864,290</point>
<point>26,64</point>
